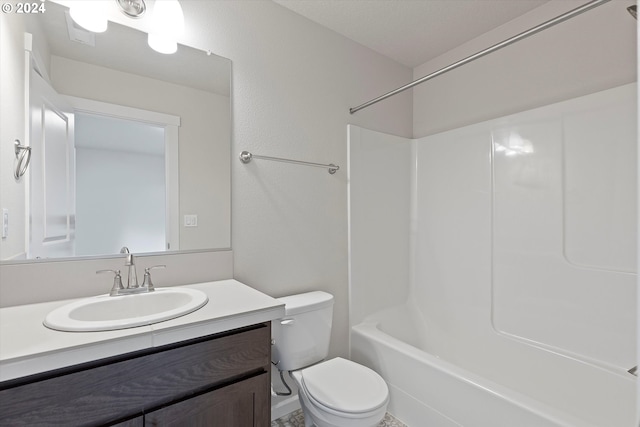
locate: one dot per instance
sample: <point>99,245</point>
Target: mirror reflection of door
<point>98,182</point>
<point>51,229</point>
<point>120,185</point>
<point>103,176</point>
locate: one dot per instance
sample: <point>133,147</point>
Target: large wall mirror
<point>130,147</point>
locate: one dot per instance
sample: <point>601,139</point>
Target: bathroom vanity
<point>210,367</point>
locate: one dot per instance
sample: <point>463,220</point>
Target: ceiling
<point>411,32</point>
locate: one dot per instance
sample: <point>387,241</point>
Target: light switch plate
<point>191,220</point>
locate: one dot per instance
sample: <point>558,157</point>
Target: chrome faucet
<point>132,277</point>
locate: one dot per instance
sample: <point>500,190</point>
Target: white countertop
<point>28,347</point>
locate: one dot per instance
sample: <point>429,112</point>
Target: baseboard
<point>284,407</point>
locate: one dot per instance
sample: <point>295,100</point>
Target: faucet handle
<point>117,281</point>
<point>146,282</point>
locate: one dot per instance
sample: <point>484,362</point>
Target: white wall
<point>591,52</point>
<point>12,126</point>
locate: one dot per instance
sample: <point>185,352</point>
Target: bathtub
<point>428,391</point>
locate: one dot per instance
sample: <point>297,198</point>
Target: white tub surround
<point>27,347</point>
<point>445,394</point>
<point>521,280</point>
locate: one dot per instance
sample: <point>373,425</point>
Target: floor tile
<point>296,419</point>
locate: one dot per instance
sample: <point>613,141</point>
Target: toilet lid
<point>345,386</point>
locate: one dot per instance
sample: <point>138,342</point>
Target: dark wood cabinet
<point>234,405</point>
<point>219,380</point>
<point>134,422</point>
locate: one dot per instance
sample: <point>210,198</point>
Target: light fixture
<point>167,25</point>
<point>90,15</point>
<point>132,8</point>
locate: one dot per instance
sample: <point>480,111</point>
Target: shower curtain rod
<point>547,24</point>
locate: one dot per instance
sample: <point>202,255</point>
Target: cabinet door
<point>243,404</point>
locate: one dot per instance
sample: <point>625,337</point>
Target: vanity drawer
<point>119,388</point>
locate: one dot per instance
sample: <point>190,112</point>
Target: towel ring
<point>23,158</point>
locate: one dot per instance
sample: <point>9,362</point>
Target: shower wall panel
<point>526,227</point>
<point>565,226</point>
<point>508,247</point>
<point>523,249</point>
<point>379,194</point>
<point>451,262</point>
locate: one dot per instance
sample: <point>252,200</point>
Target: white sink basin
<point>105,313</point>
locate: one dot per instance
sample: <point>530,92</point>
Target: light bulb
<point>90,15</point>
<point>162,44</point>
<point>167,25</point>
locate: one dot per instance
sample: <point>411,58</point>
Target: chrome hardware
<point>146,281</point>
<point>117,282</point>
<point>246,156</point>
<point>132,282</point>
<point>23,158</point>
<point>547,24</point>
<point>132,8</point>
<point>132,277</point>
<point>287,322</point>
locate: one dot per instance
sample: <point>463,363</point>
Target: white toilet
<point>332,393</point>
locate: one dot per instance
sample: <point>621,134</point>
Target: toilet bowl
<point>340,392</point>
<point>332,393</point>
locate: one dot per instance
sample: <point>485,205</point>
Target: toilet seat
<point>344,387</point>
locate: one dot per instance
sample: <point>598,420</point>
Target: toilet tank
<point>301,337</point>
